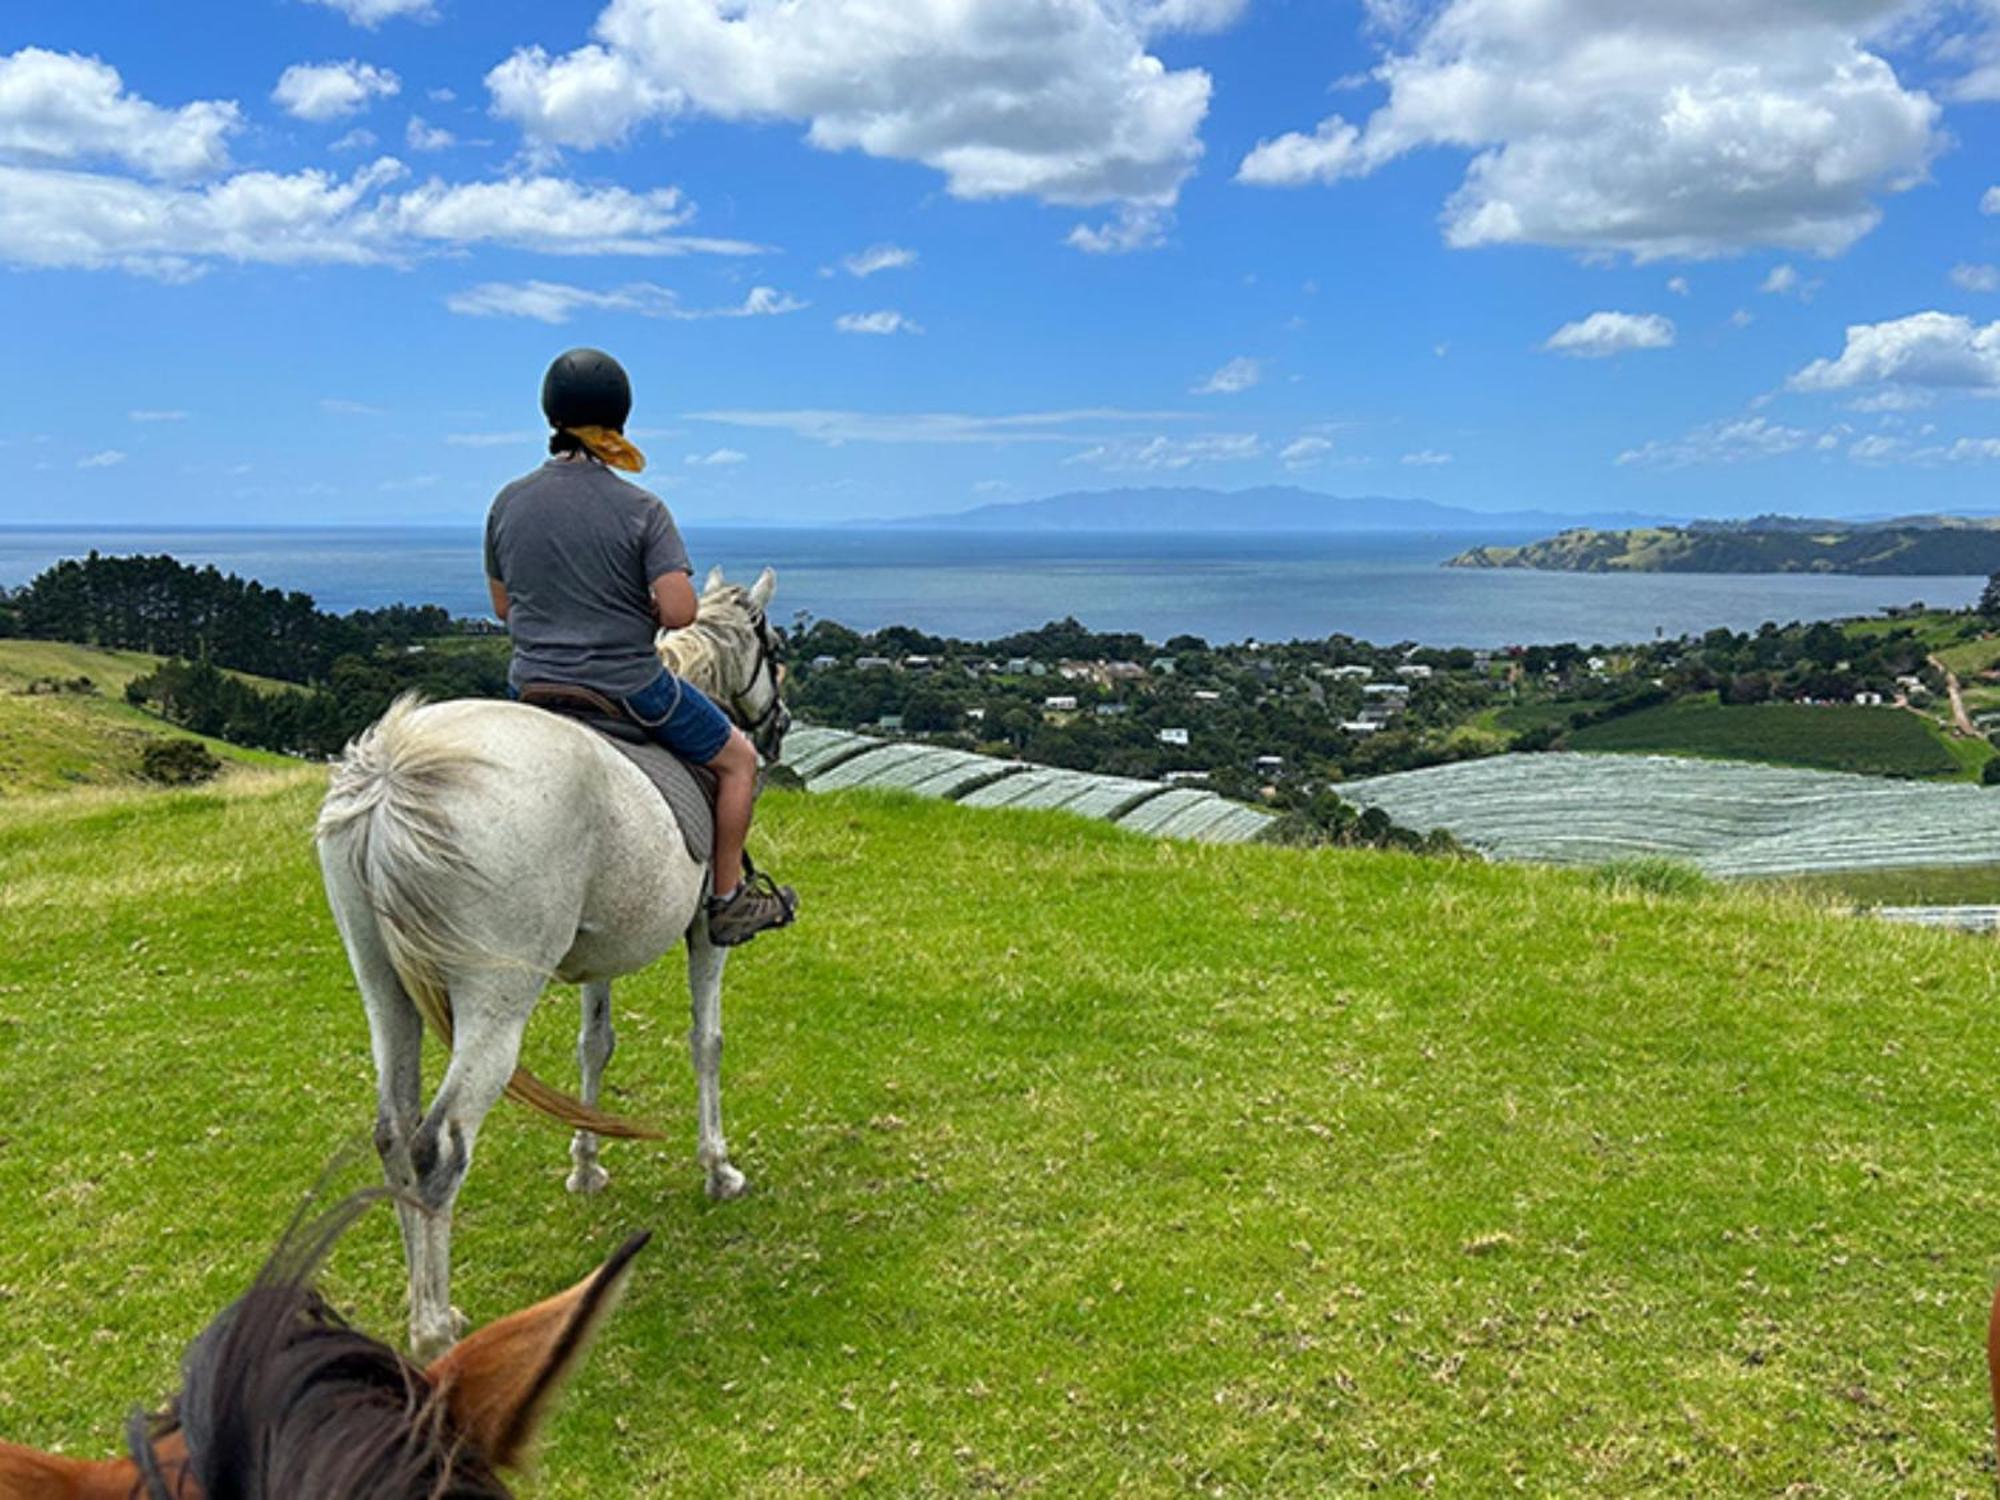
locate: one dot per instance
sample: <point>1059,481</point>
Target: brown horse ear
<point>496,1384</point>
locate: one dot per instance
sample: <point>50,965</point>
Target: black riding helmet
<point>586,388</point>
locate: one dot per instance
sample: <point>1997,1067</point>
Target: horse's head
<point>733,654</point>
<point>283,1399</point>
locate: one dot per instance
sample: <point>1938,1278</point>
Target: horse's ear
<point>497,1384</point>
<point>765,586</point>
<point>714,580</point>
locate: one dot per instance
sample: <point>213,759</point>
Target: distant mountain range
<point>1277,508</point>
<point>1905,546</point>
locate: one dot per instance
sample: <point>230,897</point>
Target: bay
<point>1383,587</point>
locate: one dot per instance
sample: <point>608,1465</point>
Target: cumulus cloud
<point>94,221</point>
<point>1678,285</point>
<point>1990,204</point>
<point>1925,351</point>
<point>1975,278</point>
<point>1693,129</point>
<point>884,322</point>
<point>372,13</point>
<point>355,140</point>
<point>720,458</point>
<point>320,92</point>
<point>1238,375</point>
<point>1163,453</point>
<point>1603,334</point>
<point>420,135</point>
<point>555,302</point>
<point>60,108</point>
<point>1783,279</point>
<point>1136,226</point>
<point>865,263</point>
<point>1060,102</point>
<point>1738,441</point>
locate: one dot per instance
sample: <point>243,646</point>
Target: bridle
<point>767,726</point>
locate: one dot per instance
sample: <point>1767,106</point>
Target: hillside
<point>52,741</point>
<point>1935,547</point>
<point>1084,1163</point>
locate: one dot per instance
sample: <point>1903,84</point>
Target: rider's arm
<point>501,603</point>
<point>674,603</point>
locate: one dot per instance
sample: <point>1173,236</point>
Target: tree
<point>1989,598</point>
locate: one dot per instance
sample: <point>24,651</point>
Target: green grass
<point>50,742</point>
<point>1518,718</point>
<point>1875,741</point>
<point>1084,1165</point>
<point>1950,885</point>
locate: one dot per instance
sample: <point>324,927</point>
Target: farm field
<point>51,742</point>
<point>1967,885</point>
<point>1084,1164</point>
<point>1872,741</point>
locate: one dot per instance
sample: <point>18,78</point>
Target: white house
<point>1414,671</point>
<point>1360,726</point>
<point>825,663</point>
<point>872,663</point>
<point>1173,737</point>
<point>1207,695</point>
<point>1059,703</point>
<point>1353,672</point>
<point>1386,690</point>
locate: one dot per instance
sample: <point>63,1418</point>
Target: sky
<point>303,262</point>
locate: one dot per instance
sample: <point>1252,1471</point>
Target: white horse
<point>474,850</point>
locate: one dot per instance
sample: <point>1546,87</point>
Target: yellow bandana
<point>609,446</point>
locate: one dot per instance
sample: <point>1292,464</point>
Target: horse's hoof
<point>586,1179</point>
<point>725,1182</point>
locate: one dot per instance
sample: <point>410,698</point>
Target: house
<point>1414,672</point>
<point>1386,690</point>
<point>918,664</point>
<point>1270,765</point>
<point>872,664</point>
<point>1360,726</point>
<point>1207,695</point>
<point>976,715</point>
<point>1353,672</point>
<point>1113,710</point>
<point>1059,703</point>
<point>825,663</point>
<point>1164,665</point>
<point>1868,700</point>
<point>1123,671</point>
<point>890,723</point>
<point>1175,778</point>
<point>1173,737</point>
<point>1018,666</point>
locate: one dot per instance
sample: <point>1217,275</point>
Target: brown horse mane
<point>282,1399</point>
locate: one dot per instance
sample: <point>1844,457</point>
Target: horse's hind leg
<point>705,962</point>
<point>489,1012</point>
<point>595,1043</point>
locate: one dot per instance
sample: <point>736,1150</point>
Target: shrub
<point>1989,774</point>
<point>1652,875</point>
<point>178,762</point>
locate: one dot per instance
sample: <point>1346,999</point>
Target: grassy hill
<point>1940,546</point>
<point>1872,741</point>
<point>48,742</point>
<point>1083,1164</point>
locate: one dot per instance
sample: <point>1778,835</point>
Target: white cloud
<point>355,140</point>
<point>1170,454</point>
<point>1927,350</point>
<point>1678,285</point>
<point>1603,334</point>
<point>108,458</point>
<point>492,439</point>
<point>555,302</point>
<point>1877,449</point>
<point>1742,318</point>
<point>1238,375</point>
<point>1303,453</point>
<point>1428,458</point>
<point>1782,279</point>
<point>1697,128</point>
<point>878,258</point>
<point>1971,278</point>
<point>720,458</point>
<point>420,135</point>
<point>1136,226</point>
<point>1974,450</point>
<point>372,13</point>
<point>836,427</point>
<point>885,322</point>
<point>330,91</point>
<point>441,96</point>
<point>1056,101</point>
<point>1738,441</point>
<point>58,107</point>
<point>95,221</point>
<point>156,416</point>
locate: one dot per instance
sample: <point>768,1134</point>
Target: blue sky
<point>303,261</point>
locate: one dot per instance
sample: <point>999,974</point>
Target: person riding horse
<point>585,568</point>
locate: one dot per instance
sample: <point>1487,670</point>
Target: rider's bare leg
<point>735,768</point>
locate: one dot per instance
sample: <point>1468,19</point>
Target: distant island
<point>1908,546</point>
<point>1273,508</point>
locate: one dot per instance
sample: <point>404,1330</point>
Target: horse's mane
<point>725,624</point>
<point>282,1400</point>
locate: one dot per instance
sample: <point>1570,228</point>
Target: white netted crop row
<point>1730,818</point>
<point>835,759</point>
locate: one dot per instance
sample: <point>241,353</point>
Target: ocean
<point>1383,587</point>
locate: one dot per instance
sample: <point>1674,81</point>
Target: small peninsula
<point>1910,546</point>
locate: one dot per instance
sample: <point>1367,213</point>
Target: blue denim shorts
<point>681,717</point>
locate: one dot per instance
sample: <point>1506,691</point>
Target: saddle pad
<point>689,790</point>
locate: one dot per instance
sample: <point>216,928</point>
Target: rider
<point>585,568</point>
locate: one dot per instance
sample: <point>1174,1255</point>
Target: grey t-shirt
<point>578,549</point>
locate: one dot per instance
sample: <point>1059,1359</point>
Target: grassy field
<point>1957,885</point>
<point>1083,1164</point>
<point>51,742</point>
<point>1875,741</point>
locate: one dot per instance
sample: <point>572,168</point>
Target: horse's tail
<point>384,820</point>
